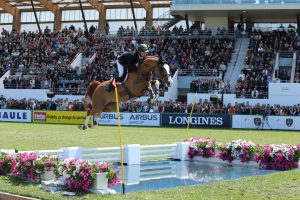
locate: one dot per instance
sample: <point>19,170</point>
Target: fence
<point>133,154</point>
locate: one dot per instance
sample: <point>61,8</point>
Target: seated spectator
<point>254,93</point>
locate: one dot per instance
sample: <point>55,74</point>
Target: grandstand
<point>220,48</point>
<point>235,64</point>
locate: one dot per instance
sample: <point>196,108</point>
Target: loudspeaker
<point>50,95</point>
<point>214,99</point>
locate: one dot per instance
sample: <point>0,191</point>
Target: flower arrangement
<point>5,163</point>
<point>244,150</point>
<point>46,163</point>
<point>30,166</point>
<point>23,166</point>
<point>225,152</point>
<point>112,175</point>
<point>278,157</point>
<point>204,147</point>
<point>82,174</point>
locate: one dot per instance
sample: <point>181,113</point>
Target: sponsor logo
<point>257,121</point>
<point>111,116</point>
<point>289,122</point>
<point>143,117</point>
<point>39,116</point>
<point>13,115</point>
<point>216,121</point>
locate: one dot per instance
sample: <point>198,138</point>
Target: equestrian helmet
<point>142,47</point>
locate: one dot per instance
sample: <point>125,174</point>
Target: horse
<point>97,100</point>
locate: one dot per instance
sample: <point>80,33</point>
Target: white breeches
<point>120,69</point>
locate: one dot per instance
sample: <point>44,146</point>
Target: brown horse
<point>97,100</point>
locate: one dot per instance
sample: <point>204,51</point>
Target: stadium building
<point>243,52</point>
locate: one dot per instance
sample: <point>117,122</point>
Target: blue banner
<point>197,120</point>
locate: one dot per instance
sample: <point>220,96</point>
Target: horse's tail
<point>89,94</point>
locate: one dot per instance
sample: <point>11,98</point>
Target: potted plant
<point>46,165</point>
<point>203,147</point>
<point>104,176</point>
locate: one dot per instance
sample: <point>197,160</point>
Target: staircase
<point>237,61</point>
<point>174,20</point>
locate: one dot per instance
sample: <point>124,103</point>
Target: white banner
<point>15,115</point>
<point>130,119</point>
<point>269,122</point>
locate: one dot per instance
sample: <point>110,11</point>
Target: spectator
<point>254,93</point>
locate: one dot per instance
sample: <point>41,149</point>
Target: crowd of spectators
<point>175,31</point>
<point>207,85</point>
<point>203,107</point>
<point>42,60</point>
<point>260,61</point>
<point>33,104</point>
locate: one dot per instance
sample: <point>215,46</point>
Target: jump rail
<point>133,154</point>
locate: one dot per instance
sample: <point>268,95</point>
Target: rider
<point>130,61</point>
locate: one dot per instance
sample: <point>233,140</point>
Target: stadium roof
<point>12,6</point>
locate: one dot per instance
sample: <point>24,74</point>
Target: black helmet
<point>142,47</point>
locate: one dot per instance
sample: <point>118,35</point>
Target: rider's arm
<point>123,59</point>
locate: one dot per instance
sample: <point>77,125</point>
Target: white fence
<point>152,152</point>
<point>133,154</point>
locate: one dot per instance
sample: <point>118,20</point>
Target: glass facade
<point>174,2</point>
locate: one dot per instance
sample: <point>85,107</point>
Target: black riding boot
<point>110,86</point>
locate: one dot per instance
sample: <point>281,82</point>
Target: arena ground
<point>283,185</point>
<point>50,136</point>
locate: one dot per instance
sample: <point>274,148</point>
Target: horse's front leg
<point>154,94</point>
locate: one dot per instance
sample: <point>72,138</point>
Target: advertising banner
<point>197,120</point>
<point>268,122</point>
<point>247,121</point>
<point>59,117</point>
<point>15,115</point>
<point>130,119</point>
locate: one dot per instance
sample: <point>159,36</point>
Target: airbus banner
<point>197,120</point>
<point>130,119</point>
<point>15,115</point>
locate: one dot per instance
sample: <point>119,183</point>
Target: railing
<point>158,151</point>
<point>133,154</point>
<point>174,2</point>
<point>163,34</point>
<point>110,154</point>
<point>247,95</point>
<point>198,72</point>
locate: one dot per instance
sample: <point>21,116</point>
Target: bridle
<point>165,78</point>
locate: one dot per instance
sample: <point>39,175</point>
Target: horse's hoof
<point>82,127</point>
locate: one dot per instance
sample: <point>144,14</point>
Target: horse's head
<point>163,72</point>
<point>159,69</point>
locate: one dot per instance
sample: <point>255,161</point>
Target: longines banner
<point>15,115</point>
<point>130,119</point>
<point>197,120</point>
<point>269,122</point>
